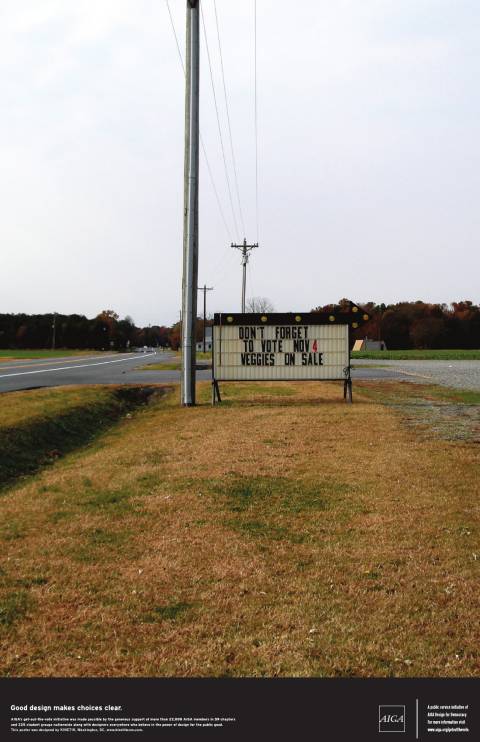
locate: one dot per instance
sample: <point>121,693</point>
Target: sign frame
<point>352,316</point>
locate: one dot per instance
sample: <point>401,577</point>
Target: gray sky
<point>369,153</point>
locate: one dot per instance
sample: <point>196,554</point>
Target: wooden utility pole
<point>205,288</point>
<point>246,249</point>
<point>190,222</point>
<point>54,327</point>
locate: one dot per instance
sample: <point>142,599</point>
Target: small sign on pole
<point>284,347</point>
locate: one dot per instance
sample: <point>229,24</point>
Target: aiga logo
<point>391,718</point>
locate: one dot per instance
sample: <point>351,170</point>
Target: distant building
<point>208,341</point>
<point>367,344</point>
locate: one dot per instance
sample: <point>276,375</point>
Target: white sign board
<point>283,352</point>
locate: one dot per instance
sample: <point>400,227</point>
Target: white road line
<point>28,363</point>
<point>70,368</point>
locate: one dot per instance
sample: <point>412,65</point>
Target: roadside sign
<point>284,347</point>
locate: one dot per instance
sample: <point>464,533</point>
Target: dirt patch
<point>431,410</point>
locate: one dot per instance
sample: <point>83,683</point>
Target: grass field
<point>176,363</point>
<point>166,366</point>
<point>8,355</point>
<point>171,366</point>
<point>282,533</point>
<point>419,355</point>
<point>200,356</point>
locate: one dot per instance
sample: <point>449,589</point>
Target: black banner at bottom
<point>240,709</point>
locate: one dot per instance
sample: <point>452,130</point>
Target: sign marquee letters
<point>284,347</point>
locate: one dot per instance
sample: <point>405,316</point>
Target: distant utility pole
<point>53,329</point>
<point>245,256</point>
<point>190,222</point>
<point>205,288</point>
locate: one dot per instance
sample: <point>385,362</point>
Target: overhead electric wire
<point>228,230</point>
<point>222,214</point>
<point>228,119</point>
<point>176,37</point>
<point>256,116</point>
<point>226,264</point>
<point>218,121</point>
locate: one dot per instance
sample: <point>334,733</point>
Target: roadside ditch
<point>32,444</point>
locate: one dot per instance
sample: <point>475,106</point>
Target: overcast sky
<point>369,154</point>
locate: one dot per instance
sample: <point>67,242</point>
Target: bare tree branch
<point>259,304</point>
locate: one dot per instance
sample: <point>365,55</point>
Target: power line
<point>228,118</point>
<point>176,37</point>
<point>204,151</point>
<point>256,114</point>
<point>222,266</point>
<point>218,121</point>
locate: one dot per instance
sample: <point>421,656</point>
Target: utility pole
<point>205,288</point>
<point>53,329</point>
<point>245,256</point>
<point>190,221</point>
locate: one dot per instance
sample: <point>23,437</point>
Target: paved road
<point>115,369</point>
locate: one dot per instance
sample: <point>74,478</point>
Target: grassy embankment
<point>418,355</point>
<point>166,366</point>
<point>280,533</point>
<point>171,366</point>
<point>38,427</point>
<point>200,355</point>
<point>176,364</point>
<point>11,355</point>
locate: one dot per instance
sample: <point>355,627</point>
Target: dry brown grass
<point>282,533</point>
<point>18,407</point>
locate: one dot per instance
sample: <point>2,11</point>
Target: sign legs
<point>347,390</point>
<point>215,392</point>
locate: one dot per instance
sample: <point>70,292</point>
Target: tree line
<point>401,326</point>
<point>106,331</point>
<point>419,325</point>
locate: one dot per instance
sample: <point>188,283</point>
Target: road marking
<point>69,368</point>
<point>28,363</point>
